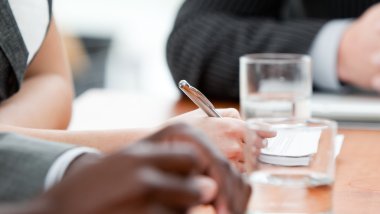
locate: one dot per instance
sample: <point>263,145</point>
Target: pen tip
<point>183,83</point>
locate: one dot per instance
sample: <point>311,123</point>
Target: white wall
<point>139,28</point>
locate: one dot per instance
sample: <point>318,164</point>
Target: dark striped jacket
<point>210,35</point>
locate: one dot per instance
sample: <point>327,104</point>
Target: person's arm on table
<point>168,172</point>
<point>359,52</point>
<point>348,51</point>
<point>24,163</point>
<point>325,54</point>
<point>104,140</point>
<point>210,35</point>
<point>44,103</point>
<point>45,97</point>
<point>33,113</point>
<point>227,133</point>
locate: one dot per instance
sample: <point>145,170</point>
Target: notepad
<point>291,148</point>
<point>279,152</point>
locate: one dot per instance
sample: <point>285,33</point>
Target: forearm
<point>205,46</point>
<point>43,102</point>
<point>45,98</point>
<point>107,140</point>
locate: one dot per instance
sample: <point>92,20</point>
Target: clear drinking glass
<point>295,172</point>
<point>275,85</point>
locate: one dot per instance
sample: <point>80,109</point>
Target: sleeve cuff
<point>58,168</point>
<point>324,52</point>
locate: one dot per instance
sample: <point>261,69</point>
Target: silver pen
<point>198,98</point>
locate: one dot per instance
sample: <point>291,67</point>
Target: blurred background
<point>118,44</point>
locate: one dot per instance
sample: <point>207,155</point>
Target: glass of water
<point>275,85</point>
<point>295,172</point>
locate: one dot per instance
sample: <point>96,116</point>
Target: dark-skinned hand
<point>168,172</point>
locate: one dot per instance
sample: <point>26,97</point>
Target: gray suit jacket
<point>24,163</point>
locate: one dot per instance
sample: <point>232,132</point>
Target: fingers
<point>178,192</point>
<point>179,159</point>
<point>241,197</point>
<point>232,148</point>
<point>229,112</point>
<point>266,134</point>
<point>216,166</point>
<point>224,112</point>
<point>239,165</point>
<point>229,136</point>
<point>261,143</point>
<point>184,134</point>
<point>153,208</point>
<point>207,187</point>
<point>233,193</point>
<point>227,133</point>
<point>238,129</point>
<point>160,209</point>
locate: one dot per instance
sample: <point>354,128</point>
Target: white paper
<point>338,144</point>
<point>292,143</point>
<point>300,160</point>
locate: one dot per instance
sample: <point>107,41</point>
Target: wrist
<point>83,161</point>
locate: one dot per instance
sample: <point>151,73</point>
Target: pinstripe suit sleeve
<point>210,35</point>
<point>24,163</point>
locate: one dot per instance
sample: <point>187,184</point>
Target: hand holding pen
<point>226,141</point>
<point>198,98</point>
<point>203,103</point>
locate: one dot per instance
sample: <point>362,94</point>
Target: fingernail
<point>207,187</point>
<point>376,83</point>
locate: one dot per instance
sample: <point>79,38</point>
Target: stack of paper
<point>294,148</point>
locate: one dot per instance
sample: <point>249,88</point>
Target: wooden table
<point>357,186</point>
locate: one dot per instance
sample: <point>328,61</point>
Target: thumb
<point>229,112</point>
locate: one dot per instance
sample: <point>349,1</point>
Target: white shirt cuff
<point>324,52</point>
<point>58,168</point>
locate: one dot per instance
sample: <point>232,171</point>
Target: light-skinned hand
<point>228,133</point>
<point>359,52</point>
